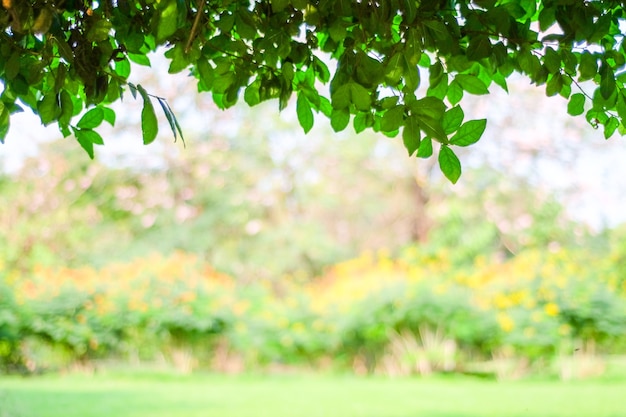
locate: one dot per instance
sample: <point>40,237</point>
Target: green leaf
<point>133,90</point>
<point>91,135</point>
<point>84,141</point>
<point>341,97</point>
<point>392,119</point>
<point>472,84</point>
<point>360,97</point>
<point>304,112</point>
<point>411,134</point>
<point>576,105</point>
<point>48,108</point>
<point>479,48</point>
<point>99,30</point>
<point>149,124</point>
<point>325,107</point>
<point>362,121</point>
<point>552,60</point>
<point>469,132</point>
<point>554,85</point>
<point>251,95</point>
<point>339,119</point>
<point>449,164</point>
<point>607,82</point>
<point>279,5</point>
<point>426,148</point>
<point>588,66</point>
<point>122,68</point>
<point>452,119</point>
<point>432,127</point>
<point>91,119</point>
<point>139,59</point>
<point>455,92</point>
<point>109,115</point>
<point>394,69</point>
<point>611,125</point>
<point>67,108</point>
<point>5,121</point>
<point>12,66</point>
<point>169,116</point>
<point>621,107</point>
<point>321,70</point>
<point>167,20</point>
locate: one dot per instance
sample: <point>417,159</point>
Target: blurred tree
<point>495,215</point>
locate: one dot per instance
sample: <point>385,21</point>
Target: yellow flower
<point>506,322</point>
<point>551,309</point>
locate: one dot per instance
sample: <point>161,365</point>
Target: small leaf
<point>361,121</point>
<point>139,59</point>
<point>392,119</point>
<point>84,142</point>
<point>91,119</point>
<point>149,124</point>
<point>432,127</point>
<point>99,31</point>
<point>554,85</point>
<point>167,20</point>
<point>48,108</point>
<point>304,112</point>
<point>12,66</point>
<point>576,105</point>
<point>91,135</point>
<point>169,116</point>
<point>339,119</point>
<point>67,108</point>
<point>133,90</point>
<point>173,116</point>
<point>610,127</point>
<point>472,84</point>
<point>411,134</point>
<point>479,48</point>
<point>325,107</point>
<point>588,67</point>
<point>455,93</point>
<point>341,97</point>
<point>5,121</point>
<point>360,97</point>
<point>469,133</point>
<point>426,148</point>
<point>607,82</point>
<point>109,115</point>
<point>251,94</point>
<point>449,164</point>
<point>452,119</point>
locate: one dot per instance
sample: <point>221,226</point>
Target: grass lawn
<point>167,395</point>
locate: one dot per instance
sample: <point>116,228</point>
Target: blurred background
<point>255,248</point>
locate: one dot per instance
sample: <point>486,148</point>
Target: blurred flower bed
<point>553,312</point>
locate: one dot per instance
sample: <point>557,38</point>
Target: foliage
<point>69,60</point>
<point>536,306</point>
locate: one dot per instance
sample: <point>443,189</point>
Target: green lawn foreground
<point>304,396</point>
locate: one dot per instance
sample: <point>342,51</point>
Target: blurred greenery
<point>248,252</point>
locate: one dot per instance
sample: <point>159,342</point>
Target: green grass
<point>303,396</point>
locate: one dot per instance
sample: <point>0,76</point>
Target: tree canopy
<point>394,66</point>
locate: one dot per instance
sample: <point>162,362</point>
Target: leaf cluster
<point>401,66</point>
